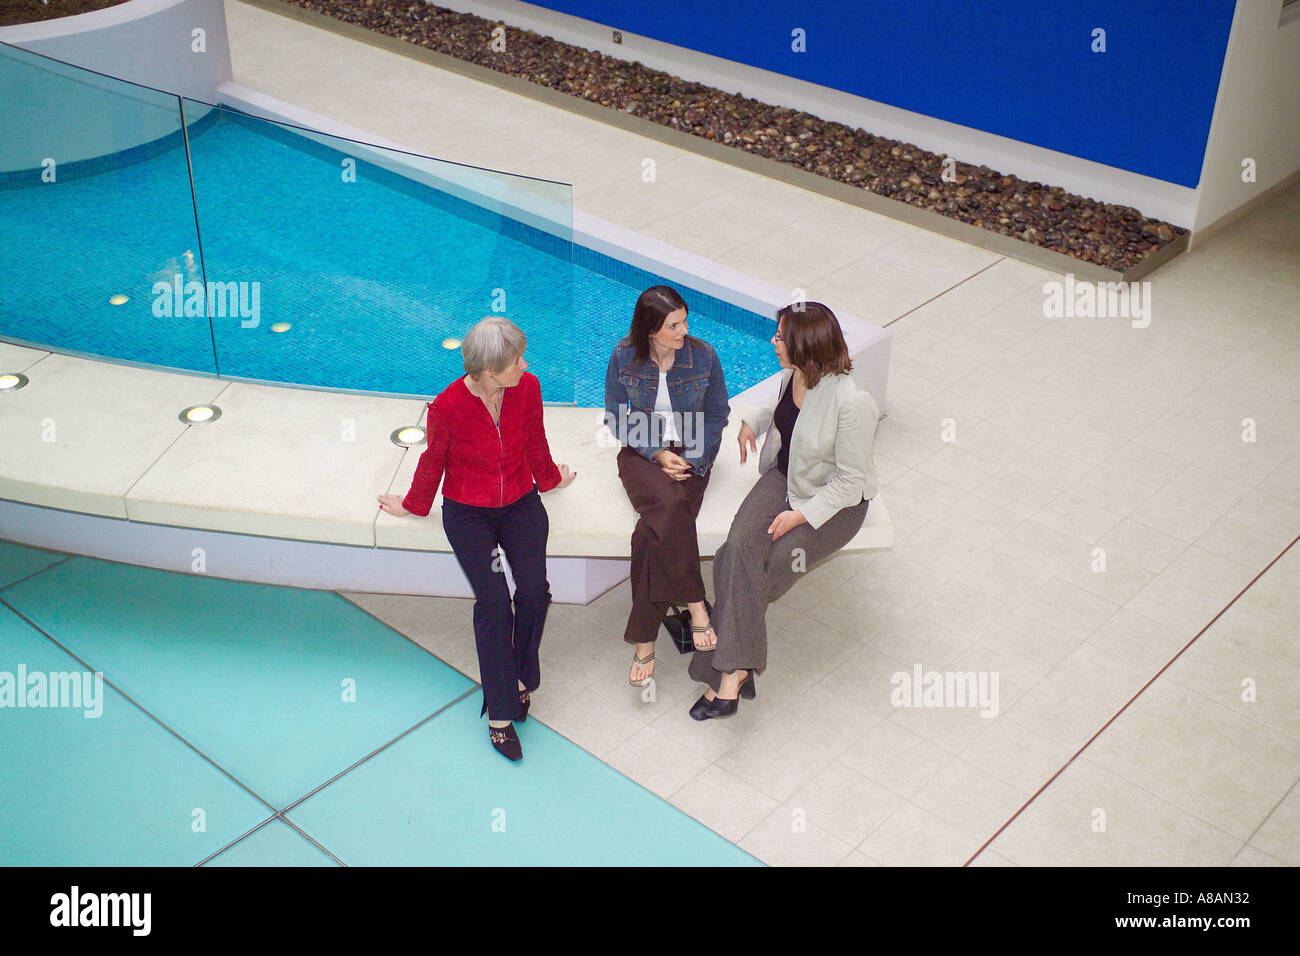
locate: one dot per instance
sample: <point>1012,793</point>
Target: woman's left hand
<point>786,521</point>
<point>566,476</point>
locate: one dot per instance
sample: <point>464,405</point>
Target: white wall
<point>56,111</point>
<point>1257,113</point>
<point>144,41</point>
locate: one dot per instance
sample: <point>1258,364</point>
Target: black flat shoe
<point>720,707</point>
<point>506,742</point>
<point>700,709</point>
<point>525,700</point>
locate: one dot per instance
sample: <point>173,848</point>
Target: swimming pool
<point>372,274</point>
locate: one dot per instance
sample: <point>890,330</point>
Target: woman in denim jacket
<point>666,400</point>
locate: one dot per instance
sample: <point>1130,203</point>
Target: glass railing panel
<point>96,217</point>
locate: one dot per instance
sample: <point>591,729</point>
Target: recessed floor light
<point>118,299</point>
<point>451,343</point>
<point>281,327</point>
<point>12,381</point>
<point>408,436</point>
<point>199,414</point>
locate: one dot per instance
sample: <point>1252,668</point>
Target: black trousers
<point>665,553</point>
<point>507,638</point>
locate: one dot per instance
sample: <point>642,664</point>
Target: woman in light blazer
<point>817,479</point>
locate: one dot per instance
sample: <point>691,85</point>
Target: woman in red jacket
<point>487,446</point>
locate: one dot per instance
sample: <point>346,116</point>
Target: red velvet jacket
<point>477,462</point>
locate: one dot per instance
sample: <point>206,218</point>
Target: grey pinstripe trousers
<point>751,568</point>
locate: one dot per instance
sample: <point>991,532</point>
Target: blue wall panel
<point>1019,68</point>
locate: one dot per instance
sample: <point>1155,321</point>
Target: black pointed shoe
<point>747,689</point>
<point>506,742</point>
<point>525,701</point>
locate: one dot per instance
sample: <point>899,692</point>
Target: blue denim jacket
<point>696,389</point>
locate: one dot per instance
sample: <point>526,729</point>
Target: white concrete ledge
<point>104,439</point>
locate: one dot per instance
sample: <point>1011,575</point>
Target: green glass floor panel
<point>276,844</point>
<point>442,796</point>
<point>109,790</point>
<point>282,687</point>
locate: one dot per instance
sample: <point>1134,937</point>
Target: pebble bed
<point>1115,237</point>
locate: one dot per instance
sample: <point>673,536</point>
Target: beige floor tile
<point>1142,640</point>
<point>1200,756</point>
<point>1245,545</point>
<point>844,803</point>
<point>774,761</point>
<point>1060,714</point>
<point>786,839</point>
<point>1143,545</point>
<point>858,858</point>
<point>1116,580</point>
<point>1016,755</point>
<point>1249,856</point>
<point>1279,835</point>
<point>656,761</point>
<point>1168,601</point>
<point>1246,665</point>
<point>916,837</point>
<point>894,757</point>
<point>827,721</point>
<point>724,803</point>
<point>1140,829</point>
<point>1177,518</point>
<point>969,799</point>
<point>1102,675</point>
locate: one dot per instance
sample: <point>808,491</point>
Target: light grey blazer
<point>830,449</point>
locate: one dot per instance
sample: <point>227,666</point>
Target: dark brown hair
<point>814,343</point>
<point>653,306</point>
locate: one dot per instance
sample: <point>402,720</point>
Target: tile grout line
<point>940,295</point>
<point>1141,690</point>
<point>377,751</point>
<point>54,564</point>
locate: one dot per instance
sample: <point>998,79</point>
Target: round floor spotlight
<point>281,327</point>
<point>118,299</point>
<point>451,343</point>
<point>408,436</point>
<point>12,381</point>
<point>199,414</point>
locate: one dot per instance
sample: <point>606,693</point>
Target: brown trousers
<point>665,552</point>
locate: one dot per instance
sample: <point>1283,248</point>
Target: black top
<point>784,418</point>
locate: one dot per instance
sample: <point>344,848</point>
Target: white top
<point>664,410</point>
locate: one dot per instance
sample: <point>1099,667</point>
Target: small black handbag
<point>678,624</point>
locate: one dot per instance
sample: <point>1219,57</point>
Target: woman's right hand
<point>747,436</point>
<point>674,466</point>
<point>393,505</point>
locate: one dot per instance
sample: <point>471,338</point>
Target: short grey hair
<point>492,345</point>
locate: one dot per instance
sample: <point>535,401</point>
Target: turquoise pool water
<point>372,275</point>
<point>300,732</point>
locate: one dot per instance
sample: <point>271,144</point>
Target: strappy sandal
<point>644,681</point>
<point>704,630</point>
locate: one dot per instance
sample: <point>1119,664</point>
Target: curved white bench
<point>281,489</point>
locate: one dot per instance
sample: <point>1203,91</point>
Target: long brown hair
<point>653,306</point>
<point>814,343</point>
